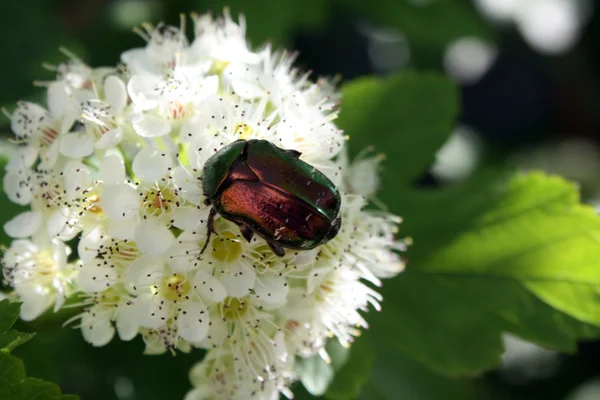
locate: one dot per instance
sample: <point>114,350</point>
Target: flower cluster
<point>113,166</point>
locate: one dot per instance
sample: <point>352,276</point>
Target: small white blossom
<point>115,159</point>
<point>38,272</point>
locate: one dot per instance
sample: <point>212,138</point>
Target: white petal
<point>57,220</point>
<point>118,201</point>
<point>112,170</point>
<point>35,300</point>
<point>193,127</point>
<point>201,149</point>
<point>137,60</point>
<point>126,325</point>
<point>208,87</point>
<point>59,102</point>
<point>192,322</point>
<point>209,287</point>
<point>271,288</point>
<point>76,145</point>
<point>189,217</point>
<point>151,165</point>
<point>246,89</point>
<point>77,177</point>
<point>122,229</point>
<point>96,277</point>
<point>316,277</point>
<point>110,138</point>
<point>150,125</point>
<point>145,271</point>
<point>238,279</point>
<point>14,188</point>
<point>26,112</point>
<point>141,89</point>
<point>60,251</point>
<point>182,255</point>
<point>87,248</point>
<point>115,93</point>
<point>68,232</point>
<point>61,297</point>
<point>152,237</point>
<point>191,189</point>
<point>150,312</point>
<point>96,327</point>
<point>49,158</point>
<point>202,392</point>
<point>22,158</point>
<point>24,224</point>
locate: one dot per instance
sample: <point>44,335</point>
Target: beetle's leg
<point>292,153</point>
<point>277,249</point>
<point>246,232</point>
<point>210,224</point>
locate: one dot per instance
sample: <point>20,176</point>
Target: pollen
<point>93,206</point>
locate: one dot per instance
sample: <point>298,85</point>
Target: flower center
<point>157,200</point>
<point>45,265</point>
<point>243,130</point>
<point>175,287</point>
<point>110,296</point>
<point>119,253</point>
<point>226,247</point>
<point>218,66</point>
<point>233,309</point>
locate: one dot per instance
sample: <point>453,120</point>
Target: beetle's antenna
<point>210,224</point>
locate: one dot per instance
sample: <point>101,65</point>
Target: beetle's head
<point>207,202</point>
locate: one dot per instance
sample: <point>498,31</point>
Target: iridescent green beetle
<point>270,192</point>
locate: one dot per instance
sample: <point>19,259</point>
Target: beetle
<point>270,192</point>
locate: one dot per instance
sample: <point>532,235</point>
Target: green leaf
<point>410,115</point>
<point>13,383</point>
<point>354,373</point>
<point>15,386</point>
<point>9,339</point>
<point>9,313</point>
<point>315,374</point>
<point>525,259</point>
<point>396,376</point>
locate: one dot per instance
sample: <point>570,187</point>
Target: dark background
<point>531,108</point>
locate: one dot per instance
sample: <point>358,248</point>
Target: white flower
<point>116,160</point>
<point>173,298</point>
<point>39,129</point>
<point>104,122</point>
<point>164,43</point>
<point>110,309</point>
<point>221,40</point>
<point>219,376</point>
<point>249,358</point>
<point>38,272</point>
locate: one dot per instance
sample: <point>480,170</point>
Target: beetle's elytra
<point>270,192</point>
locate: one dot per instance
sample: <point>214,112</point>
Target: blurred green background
<point>528,72</point>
